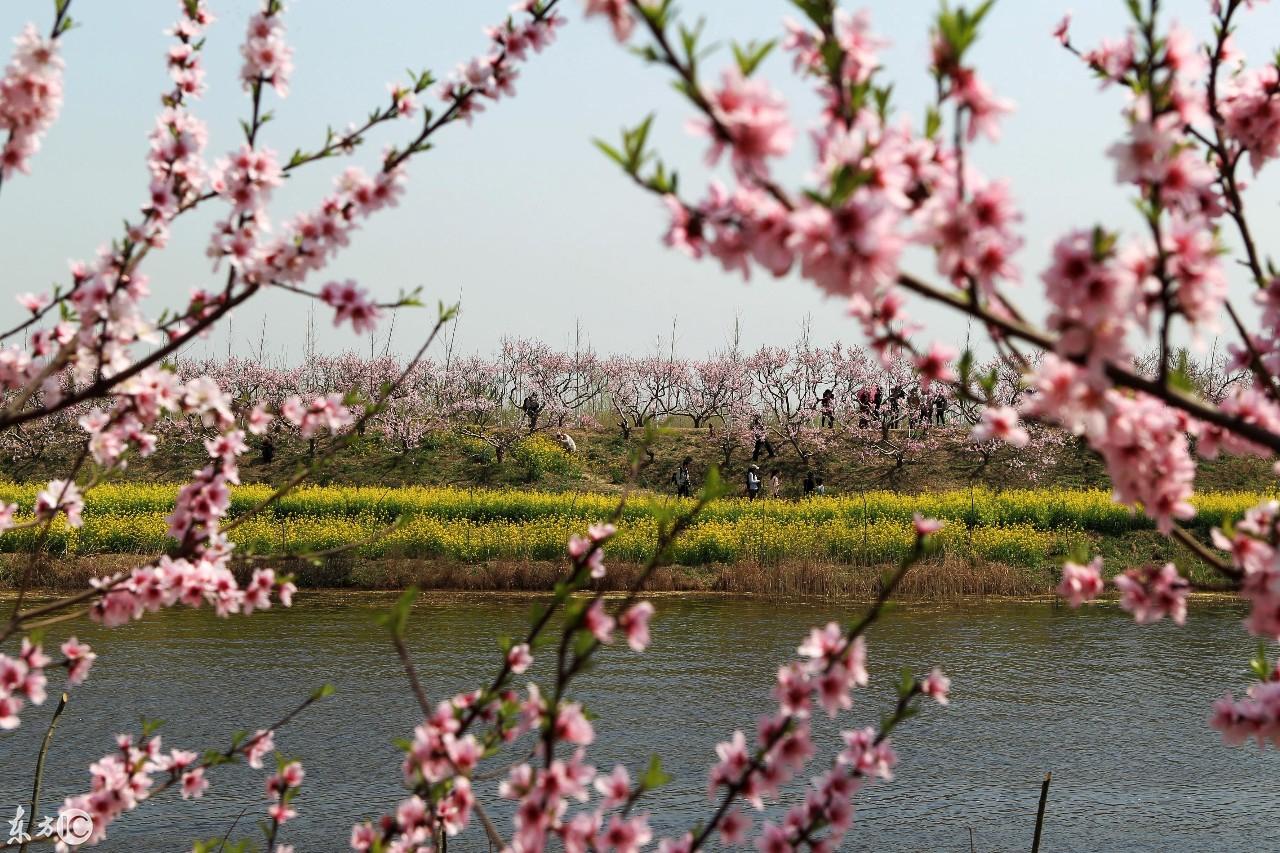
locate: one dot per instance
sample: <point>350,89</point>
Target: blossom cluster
<point>176,155</point>
<point>492,75</point>
<point>282,787</point>
<point>30,98</point>
<point>22,678</point>
<point>123,779</point>
<point>1251,545</point>
<point>830,666</point>
<point>1149,592</point>
<point>268,59</point>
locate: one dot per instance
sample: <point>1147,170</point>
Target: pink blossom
<point>1061,30</point>
<point>1257,715</point>
<point>985,109</point>
<point>1145,157</point>
<point>624,835</point>
<point>1001,422</point>
<point>572,726</point>
<point>60,496</point>
<point>774,840</point>
<point>1153,592</point>
<point>926,526</point>
<point>80,658</point>
<point>935,366</point>
<point>262,742</point>
<point>863,755</point>
<point>194,784</point>
<point>519,659</point>
<point>635,621</point>
<point>33,302</point>
<point>851,251</point>
<point>685,232</point>
<point>598,622</point>
<point>9,708</point>
<point>259,420</point>
<point>734,827</point>
<point>937,686</point>
<point>1081,583</point>
<point>601,531</point>
<point>323,412</point>
<point>351,303</point>
<point>1251,112</point>
<point>618,13</point>
<point>30,98</point>
<point>754,118</point>
<point>614,788</point>
<point>267,58</point>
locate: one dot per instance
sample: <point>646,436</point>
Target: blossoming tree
<point>1199,120</point>
<point>93,347</point>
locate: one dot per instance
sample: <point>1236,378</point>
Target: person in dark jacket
<point>761,435</point>
<point>684,483</point>
<point>532,407</point>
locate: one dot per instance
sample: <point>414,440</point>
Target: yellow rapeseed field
<point>1022,527</point>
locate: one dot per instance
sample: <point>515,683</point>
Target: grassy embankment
<point>601,465</point>
<point>1006,543</point>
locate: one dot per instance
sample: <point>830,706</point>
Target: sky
<point>519,216</point>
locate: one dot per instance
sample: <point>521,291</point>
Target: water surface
<point>1118,713</point>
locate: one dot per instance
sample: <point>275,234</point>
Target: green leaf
<point>634,143</point>
<point>905,682</point>
<point>324,691</point>
<point>1104,243</point>
<point>583,641</point>
<point>932,123</point>
<point>844,183</point>
<point>612,153</point>
<point>654,776</point>
<point>713,485</point>
<point>1258,664</point>
<point>397,618</point>
<point>750,56</point>
<point>965,367</point>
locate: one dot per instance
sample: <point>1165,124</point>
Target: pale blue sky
<point>519,213</point>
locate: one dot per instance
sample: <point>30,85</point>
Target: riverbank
<point>938,580</point>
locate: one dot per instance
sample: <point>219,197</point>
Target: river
<point>1118,713</point>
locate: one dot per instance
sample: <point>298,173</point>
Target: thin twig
<point>44,751</point>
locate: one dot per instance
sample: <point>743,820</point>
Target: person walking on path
<point>684,483</point>
<point>775,485</point>
<point>753,482</point>
<point>761,435</point>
